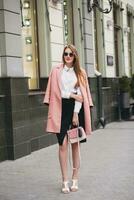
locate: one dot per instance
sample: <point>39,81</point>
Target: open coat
<point>53,99</point>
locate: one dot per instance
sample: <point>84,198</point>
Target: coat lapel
<point>59,75</point>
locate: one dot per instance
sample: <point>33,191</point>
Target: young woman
<point>69,100</point>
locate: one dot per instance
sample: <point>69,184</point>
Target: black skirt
<point>66,118</point>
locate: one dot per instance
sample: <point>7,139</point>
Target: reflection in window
<point>27,22</point>
<point>129,22</point>
<point>68,21</point>
<point>26,4</point>
<point>65,20</point>
<point>116,37</point>
<point>29,42</point>
<point>96,39</point>
<point>29,58</point>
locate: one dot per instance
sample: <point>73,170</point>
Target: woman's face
<point>68,56</point>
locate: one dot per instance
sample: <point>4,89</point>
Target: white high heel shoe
<point>74,186</point>
<point>65,187</point>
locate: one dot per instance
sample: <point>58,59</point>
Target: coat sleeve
<point>88,90</point>
<point>48,89</point>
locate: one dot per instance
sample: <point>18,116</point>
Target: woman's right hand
<point>77,97</point>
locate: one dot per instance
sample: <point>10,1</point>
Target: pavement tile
<point>107,169</point>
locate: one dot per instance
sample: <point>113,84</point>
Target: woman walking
<point>69,100</point>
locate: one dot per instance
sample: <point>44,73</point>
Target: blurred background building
<point>32,37</point>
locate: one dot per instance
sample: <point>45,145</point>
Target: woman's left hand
<point>75,120</point>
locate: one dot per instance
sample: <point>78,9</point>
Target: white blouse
<point>68,81</point>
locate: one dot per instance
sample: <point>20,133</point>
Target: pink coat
<point>53,98</point>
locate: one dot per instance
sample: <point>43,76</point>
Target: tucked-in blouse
<point>68,81</point>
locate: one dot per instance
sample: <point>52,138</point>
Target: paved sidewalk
<point>107,170</point>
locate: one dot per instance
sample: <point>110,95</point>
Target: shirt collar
<point>67,69</point>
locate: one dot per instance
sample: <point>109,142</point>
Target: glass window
<point>29,42</point>
<point>116,37</point>
<point>68,21</point>
<point>129,18</point>
<point>96,39</point>
<point>99,47</point>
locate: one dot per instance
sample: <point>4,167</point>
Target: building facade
<point>32,37</point>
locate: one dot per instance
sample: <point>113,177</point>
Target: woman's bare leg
<point>63,158</point>
<point>76,160</point>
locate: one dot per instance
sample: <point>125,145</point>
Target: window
<point>96,39</point>
<point>129,20</point>
<point>99,48</point>
<point>29,42</point>
<point>116,37</point>
<point>68,21</point>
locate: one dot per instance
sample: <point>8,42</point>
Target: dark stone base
<point>125,114</point>
<point>105,98</point>
<point>22,119</point>
<point>3,153</point>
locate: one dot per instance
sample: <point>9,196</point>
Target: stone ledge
<point>2,96</point>
<point>36,93</point>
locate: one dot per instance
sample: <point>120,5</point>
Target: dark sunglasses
<point>68,54</point>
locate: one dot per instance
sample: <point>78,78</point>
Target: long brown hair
<point>76,64</point>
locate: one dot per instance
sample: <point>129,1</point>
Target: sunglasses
<point>68,54</point>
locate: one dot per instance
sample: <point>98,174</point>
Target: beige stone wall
<point>109,40</point>
<point>10,39</point>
